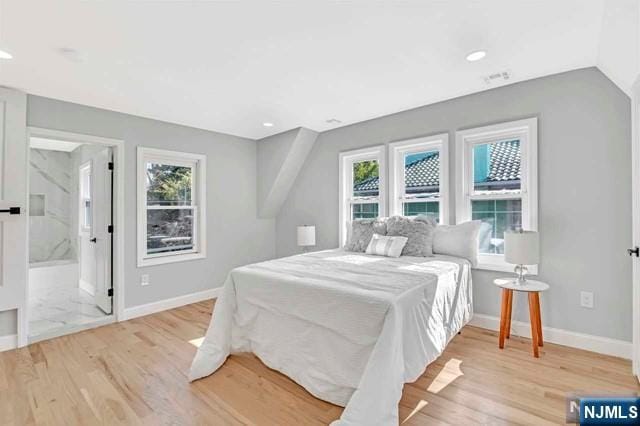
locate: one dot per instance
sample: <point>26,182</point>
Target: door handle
<point>634,251</point>
<point>93,240</point>
<point>11,210</point>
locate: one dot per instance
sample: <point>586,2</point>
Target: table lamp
<point>521,248</point>
<point>306,236</point>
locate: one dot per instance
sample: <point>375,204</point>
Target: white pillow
<point>390,246</point>
<point>458,240</point>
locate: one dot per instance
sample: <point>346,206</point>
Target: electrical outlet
<point>144,279</point>
<point>586,299</point>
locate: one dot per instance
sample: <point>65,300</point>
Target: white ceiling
<point>230,66</point>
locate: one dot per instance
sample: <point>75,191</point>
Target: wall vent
<point>497,78</point>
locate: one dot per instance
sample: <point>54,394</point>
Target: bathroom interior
<point>65,257</point>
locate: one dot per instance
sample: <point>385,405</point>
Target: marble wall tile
<point>51,236</point>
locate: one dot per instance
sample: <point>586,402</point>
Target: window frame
<point>397,152</point>
<point>526,131</point>
<point>85,169</point>
<point>198,204</point>
<point>346,160</point>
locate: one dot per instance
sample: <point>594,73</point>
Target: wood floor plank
<point>136,373</point>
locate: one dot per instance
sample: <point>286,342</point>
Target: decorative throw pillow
<point>428,219</point>
<point>458,240</point>
<point>361,232</point>
<point>419,235</point>
<point>382,245</point>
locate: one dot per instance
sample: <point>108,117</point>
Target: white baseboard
<point>163,305</point>
<point>88,287</point>
<point>8,342</point>
<point>602,345</point>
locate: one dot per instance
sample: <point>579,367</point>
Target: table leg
<point>503,317</point>
<point>539,326</point>
<point>507,333</point>
<point>534,323</point>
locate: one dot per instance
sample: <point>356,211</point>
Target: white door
<point>13,196</point>
<point>87,248</point>
<point>635,250</point>
<point>101,178</point>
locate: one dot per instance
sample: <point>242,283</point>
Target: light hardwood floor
<point>135,372</point>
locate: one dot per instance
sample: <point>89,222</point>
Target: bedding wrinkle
<point>350,328</point>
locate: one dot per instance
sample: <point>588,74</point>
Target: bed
<point>351,328</point>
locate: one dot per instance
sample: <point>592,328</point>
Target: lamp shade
<point>522,248</point>
<point>306,235</point>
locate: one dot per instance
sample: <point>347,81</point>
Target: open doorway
<point>70,236</point>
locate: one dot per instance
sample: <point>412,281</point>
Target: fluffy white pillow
<point>458,240</point>
<point>419,234</point>
<point>361,231</point>
<point>389,246</point>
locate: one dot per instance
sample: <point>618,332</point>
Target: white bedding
<point>349,327</point>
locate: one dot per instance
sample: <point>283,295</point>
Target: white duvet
<point>349,327</point>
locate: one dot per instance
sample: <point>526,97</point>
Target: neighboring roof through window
<point>423,175</point>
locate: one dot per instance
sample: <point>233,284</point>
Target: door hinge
<point>110,229</point>
<point>634,251</point>
<point>110,292</point>
<point>110,165</point>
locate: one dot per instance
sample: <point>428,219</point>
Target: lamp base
<point>521,272</point>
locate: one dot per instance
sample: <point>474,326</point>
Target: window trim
<point>199,204</point>
<point>347,158</point>
<point>397,151</point>
<point>526,131</point>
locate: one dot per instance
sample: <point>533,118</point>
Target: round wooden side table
<point>533,288</point>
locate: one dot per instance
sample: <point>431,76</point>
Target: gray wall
<point>584,190</point>
<point>234,234</point>
<point>8,322</point>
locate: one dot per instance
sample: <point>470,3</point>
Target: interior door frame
<point>635,185</point>
<point>118,219</point>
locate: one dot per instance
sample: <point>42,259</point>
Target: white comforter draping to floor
<point>349,327</point>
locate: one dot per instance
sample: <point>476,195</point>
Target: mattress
<point>350,328</point>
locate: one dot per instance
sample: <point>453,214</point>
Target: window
<point>85,216</point>
<point>418,179</point>
<point>362,190</point>
<point>171,206</point>
<point>498,184</point>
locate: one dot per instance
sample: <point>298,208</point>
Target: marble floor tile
<point>60,305</point>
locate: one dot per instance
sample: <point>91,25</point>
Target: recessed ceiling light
<point>267,124</point>
<point>5,55</point>
<point>476,56</point>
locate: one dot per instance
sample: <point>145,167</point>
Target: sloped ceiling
<point>619,45</point>
<point>230,66</point>
<point>280,158</point>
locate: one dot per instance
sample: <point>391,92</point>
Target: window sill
<point>504,267</point>
<point>161,260</point>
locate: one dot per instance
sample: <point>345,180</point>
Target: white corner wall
<point>280,158</point>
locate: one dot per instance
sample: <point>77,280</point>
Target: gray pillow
<point>419,235</point>
<point>458,240</point>
<point>428,219</point>
<point>362,231</point>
